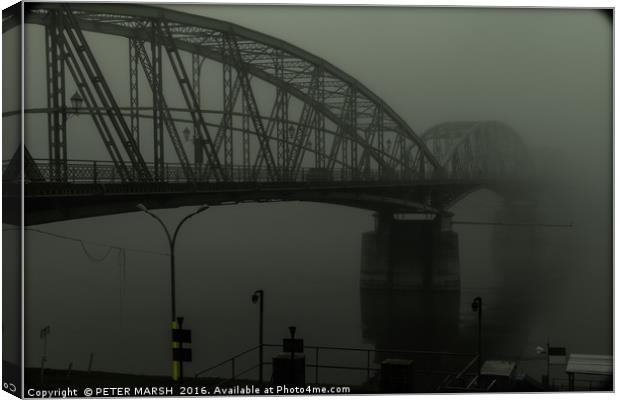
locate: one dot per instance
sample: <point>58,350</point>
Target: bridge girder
<point>281,64</point>
<point>363,128</point>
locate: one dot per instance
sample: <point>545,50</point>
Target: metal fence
<point>102,171</point>
<point>344,366</point>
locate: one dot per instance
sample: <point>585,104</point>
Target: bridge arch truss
<point>316,113</point>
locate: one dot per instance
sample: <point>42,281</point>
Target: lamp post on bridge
<point>76,102</point>
<point>171,242</point>
<point>58,148</point>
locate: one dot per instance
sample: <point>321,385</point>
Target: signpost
<point>43,334</point>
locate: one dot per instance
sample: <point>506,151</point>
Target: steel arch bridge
<point>285,125</point>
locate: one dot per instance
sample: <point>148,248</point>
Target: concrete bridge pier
<point>410,255</point>
<point>410,288</point>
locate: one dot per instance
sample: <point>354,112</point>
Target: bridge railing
<point>102,171</point>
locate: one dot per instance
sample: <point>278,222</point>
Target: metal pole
<point>476,306</point>
<point>292,370</point>
<point>260,338</point>
<point>480,337</point>
<point>368,364</point>
<point>316,368</point>
<point>172,283</point>
<point>180,322</point>
<point>90,362</point>
<point>548,369</point>
<point>171,241</point>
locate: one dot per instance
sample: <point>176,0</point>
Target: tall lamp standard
<point>58,161</point>
<point>171,242</point>
<point>260,295</point>
<point>476,305</point>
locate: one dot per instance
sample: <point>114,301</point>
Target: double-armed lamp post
<point>171,242</point>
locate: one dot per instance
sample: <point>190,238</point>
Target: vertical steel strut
<point>319,122</point>
<point>352,127</point>
<point>158,99</point>
<point>245,126</point>
<point>197,61</point>
<point>56,118</point>
<point>227,96</point>
<point>134,99</point>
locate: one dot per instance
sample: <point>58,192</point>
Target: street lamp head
<point>142,207</point>
<point>186,133</point>
<point>256,296</point>
<point>476,304</point>
<point>76,101</point>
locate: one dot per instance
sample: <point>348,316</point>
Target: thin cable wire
<point>94,258</point>
<point>121,259</point>
<point>89,241</point>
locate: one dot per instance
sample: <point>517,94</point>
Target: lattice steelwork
<point>478,149</point>
<point>284,114</point>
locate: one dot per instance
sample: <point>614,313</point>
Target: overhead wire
<point>89,241</point>
<point>121,259</point>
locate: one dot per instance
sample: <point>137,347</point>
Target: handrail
<point>468,366</point>
<point>426,352</point>
<point>225,361</point>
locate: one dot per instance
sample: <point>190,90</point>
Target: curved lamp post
<point>259,295</point>
<point>171,242</point>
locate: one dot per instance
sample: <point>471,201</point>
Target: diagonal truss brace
<point>233,51</point>
<point>302,134</point>
<point>339,137</point>
<point>173,133</point>
<point>271,125</point>
<point>192,102</point>
<point>94,90</point>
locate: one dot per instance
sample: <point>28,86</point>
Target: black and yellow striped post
<point>180,354</point>
<point>175,364</point>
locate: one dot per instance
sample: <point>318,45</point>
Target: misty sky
<point>546,73</point>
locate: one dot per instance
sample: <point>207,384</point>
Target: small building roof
<point>590,364</point>
<point>498,368</point>
<point>396,361</point>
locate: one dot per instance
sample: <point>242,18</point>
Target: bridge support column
<point>410,255</point>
